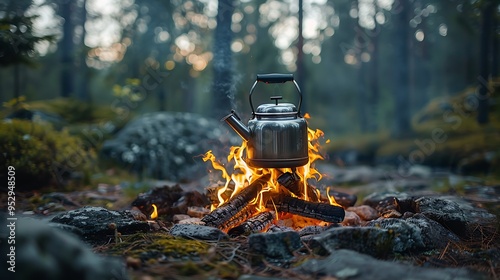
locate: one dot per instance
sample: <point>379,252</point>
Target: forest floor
<point>159,255</point>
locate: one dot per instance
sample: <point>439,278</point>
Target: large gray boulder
<point>44,252</point>
<point>167,145</point>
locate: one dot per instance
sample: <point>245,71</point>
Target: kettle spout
<point>235,123</point>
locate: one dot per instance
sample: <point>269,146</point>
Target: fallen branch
<point>255,224</point>
<point>235,204</point>
<point>316,210</point>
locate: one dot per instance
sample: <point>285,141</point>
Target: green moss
<point>42,155</point>
<point>140,244</point>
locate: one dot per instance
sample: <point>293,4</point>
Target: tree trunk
<point>374,90</point>
<point>494,46</point>
<point>300,59</point>
<point>401,75</point>
<point>222,86</point>
<point>83,89</point>
<point>484,69</point>
<point>67,48</point>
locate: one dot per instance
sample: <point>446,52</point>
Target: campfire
<point>266,180</point>
<point>253,198</point>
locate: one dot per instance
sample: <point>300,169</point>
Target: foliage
<point>41,155</point>
<point>17,37</point>
<point>445,134</point>
<point>73,110</point>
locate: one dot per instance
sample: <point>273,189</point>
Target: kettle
<point>276,134</point>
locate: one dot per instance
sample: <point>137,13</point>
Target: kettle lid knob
<point>276,98</point>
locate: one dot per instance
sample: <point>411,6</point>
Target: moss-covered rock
<point>41,155</point>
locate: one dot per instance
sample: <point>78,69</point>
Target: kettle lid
<point>276,109</point>
<point>273,109</point>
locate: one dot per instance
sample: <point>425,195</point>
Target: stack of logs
<point>238,216</point>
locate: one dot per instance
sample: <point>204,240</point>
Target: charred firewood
<point>316,210</point>
<point>291,181</point>
<point>344,199</point>
<point>245,213</point>
<point>212,190</point>
<point>255,224</point>
<point>235,204</point>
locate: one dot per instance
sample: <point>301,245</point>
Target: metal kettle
<point>276,134</point>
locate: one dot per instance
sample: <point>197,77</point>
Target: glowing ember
<point>154,215</point>
<point>243,175</point>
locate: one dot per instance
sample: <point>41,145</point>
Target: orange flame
<point>154,215</point>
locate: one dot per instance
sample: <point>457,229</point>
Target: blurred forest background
<point>384,79</point>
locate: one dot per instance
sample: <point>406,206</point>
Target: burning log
<point>236,203</point>
<point>247,212</point>
<point>291,181</point>
<point>255,224</point>
<point>316,210</point>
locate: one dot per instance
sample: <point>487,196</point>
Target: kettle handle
<point>274,78</point>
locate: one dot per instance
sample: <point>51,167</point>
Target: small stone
<point>275,245</point>
<point>365,212</point>
<point>194,221</point>
<point>407,215</point>
<point>351,219</point>
<point>198,232</point>
<point>311,230</point>
<point>197,212</point>
<point>391,214</point>
<point>180,217</point>
<point>134,263</point>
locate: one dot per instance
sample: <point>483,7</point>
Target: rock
<point>479,222</point>
<point>368,240</point>
<point>93,223</point>
<point>197,211</point>
<point>311,230</point>
<point>444,211</point>
<point>351,219</point>
<point>417,233</point>
<point>365,212</point>
<point>166,145</point>
<point>179,217</point>
<point>43,252</point>
<point>195,221</point>
<point>348,264</point>
<point>37,116</point>
<point>375,199</point>
<point>198,232</point>
<point>169,200</point>
<point>391,204</point>
<point>275,245</point>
